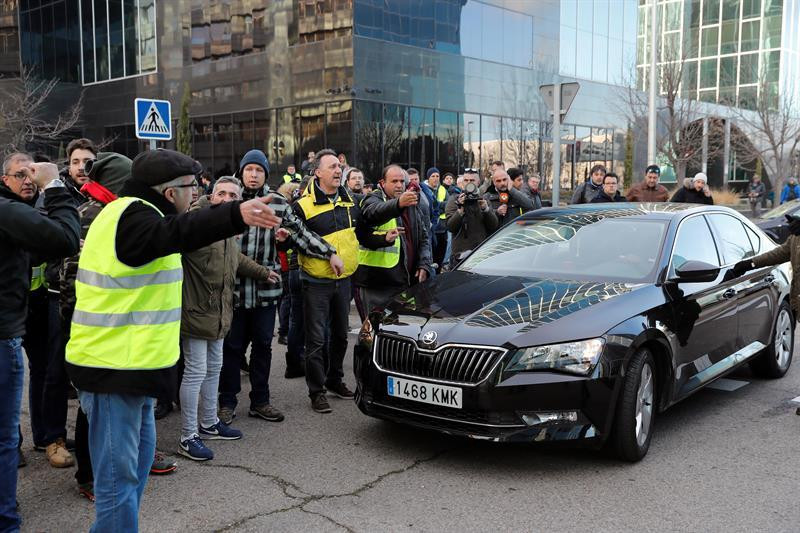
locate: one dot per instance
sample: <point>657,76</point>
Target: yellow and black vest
<point>38,278</point>
<point>441,196</point>
<point>126,318</point>
<point>334,222</point>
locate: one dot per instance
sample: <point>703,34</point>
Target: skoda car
<point>578,324</point>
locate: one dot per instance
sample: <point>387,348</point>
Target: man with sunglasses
<point>125,326</point>
<point>27,236</point>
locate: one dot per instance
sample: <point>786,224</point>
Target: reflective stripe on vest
<point>38,276</point>
<point>441,196</point>
<point>386,257</point>
<point>126,318</point>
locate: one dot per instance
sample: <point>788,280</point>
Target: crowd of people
<point>142,284</point>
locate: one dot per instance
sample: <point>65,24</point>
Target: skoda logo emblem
<point>429,338</point>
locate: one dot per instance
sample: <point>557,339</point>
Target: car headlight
<point>577,357</point>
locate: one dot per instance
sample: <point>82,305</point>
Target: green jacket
<point>209,278</point>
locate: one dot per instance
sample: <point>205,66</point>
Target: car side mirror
<point>696,272</point>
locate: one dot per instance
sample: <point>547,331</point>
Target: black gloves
<point>794,226</point>
<point>741,267</point>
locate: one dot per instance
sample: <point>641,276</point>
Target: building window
<point>118,38</point>
<point>50,39</point>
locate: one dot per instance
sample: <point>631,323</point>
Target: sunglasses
<point>470,170</point>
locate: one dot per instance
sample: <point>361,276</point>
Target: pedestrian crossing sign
<point>153,119</point>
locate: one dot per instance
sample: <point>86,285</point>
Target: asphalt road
<point>719,461</point>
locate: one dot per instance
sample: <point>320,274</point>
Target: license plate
<point>424,392</point>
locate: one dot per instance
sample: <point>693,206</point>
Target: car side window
<point>693,243</point>
<point>755,240</point>
<point>732,238</point>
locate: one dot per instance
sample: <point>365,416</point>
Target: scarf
<point>98,192</point>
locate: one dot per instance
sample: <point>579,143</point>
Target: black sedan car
<point>578,323</point>
<point>774,222</point>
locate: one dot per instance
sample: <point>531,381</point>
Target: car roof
<point>650,210</point>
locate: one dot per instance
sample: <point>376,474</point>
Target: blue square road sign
<point>153,119</point>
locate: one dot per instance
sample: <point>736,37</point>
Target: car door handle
<point>728,294</point>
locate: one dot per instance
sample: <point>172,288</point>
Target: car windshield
<point>781,210</point>
<point>573,246</point>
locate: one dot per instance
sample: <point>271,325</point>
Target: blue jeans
<point>122,443</point>
<point>202,364</point>
<point>12,373</point>
<point>249,326</point>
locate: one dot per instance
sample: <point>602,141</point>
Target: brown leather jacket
<point>640,192</point>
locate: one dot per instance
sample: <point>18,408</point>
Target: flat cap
<point>155,167</point>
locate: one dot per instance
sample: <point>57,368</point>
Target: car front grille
<point>454,363</point>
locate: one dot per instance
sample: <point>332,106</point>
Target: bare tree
<point>24,117</point>
<point>770,131</point>
<point>679,130</point>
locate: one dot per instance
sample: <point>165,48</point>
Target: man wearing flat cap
<point>649,190</point>
<point>126,322</point>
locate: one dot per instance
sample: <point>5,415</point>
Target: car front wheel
<point>636,409</point>
<point>776,358</point>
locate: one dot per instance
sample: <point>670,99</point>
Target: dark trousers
<point>323,304</point>
<point>49,384</point>
<point>295,350</point>
<point>284,306</point>
<point>84,473</point>
<point>254,326</point>
<point>439,250</point>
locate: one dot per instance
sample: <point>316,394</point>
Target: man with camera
<point>506,201</point>
<point>469,217</point>
<point>406,258</point>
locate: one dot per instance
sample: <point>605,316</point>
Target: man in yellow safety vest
<point>126,324</point>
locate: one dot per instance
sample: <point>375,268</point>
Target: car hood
<point>470,308</point>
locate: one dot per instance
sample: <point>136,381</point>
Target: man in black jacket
<point>468,217</point>
<point>118,398</point>
<point>377,284</point>
<point>610,191</point>
<point>27,236</point>
<point>506,201</point>
<point>694,191</point>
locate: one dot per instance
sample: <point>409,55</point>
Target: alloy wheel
<point>644,404</point>
<point>783,338</point>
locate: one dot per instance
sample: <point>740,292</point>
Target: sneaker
<point>162,465</point>
<point>86,490</point>
<point>341,391</point>
<point>219,431</point>
<point>267,412</point>
<point>195,449</point>
<point>58,455</point>
<point>292,373</point>
<point>226,415</point>
<point>319,403</point>
<point>283,340</point>
<point>162,410</point>
<point>21,461</point>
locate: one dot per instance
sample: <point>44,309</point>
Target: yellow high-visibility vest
<point>441,196</point>
<point>38,278</point>
<point>386,257</point>
<point>126,318</point>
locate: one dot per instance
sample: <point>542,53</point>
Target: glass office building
<point>451,83</point>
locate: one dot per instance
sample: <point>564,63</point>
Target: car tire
<point>636,408</point>
<point>776,358</point>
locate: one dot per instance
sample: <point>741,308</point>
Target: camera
<point>471,193</point>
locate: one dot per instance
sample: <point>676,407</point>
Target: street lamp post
<point>651,100</point>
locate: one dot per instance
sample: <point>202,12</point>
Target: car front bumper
<point>500,409</point>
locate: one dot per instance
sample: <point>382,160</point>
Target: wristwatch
<point>55,183</point>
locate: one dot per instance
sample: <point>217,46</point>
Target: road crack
<point>307,498</point>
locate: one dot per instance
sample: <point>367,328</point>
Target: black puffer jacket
<point>690,195</point>
<point>27,236</point>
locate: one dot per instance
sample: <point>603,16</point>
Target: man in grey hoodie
<point>586,192</point>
